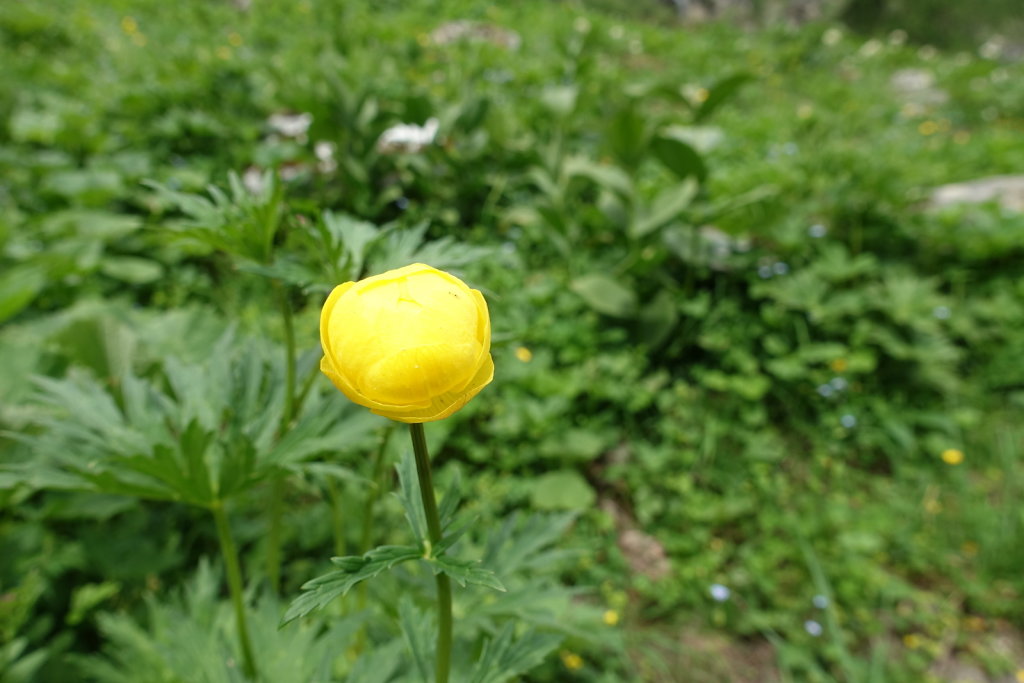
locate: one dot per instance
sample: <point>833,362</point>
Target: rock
<point>917,86</point>
<point>455,31</point>
<point>1006,190</point>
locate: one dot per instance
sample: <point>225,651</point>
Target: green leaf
<point>562,490</point>
<point>560,99</point>
<point>504,658</point>
<point>720,92</point>
<point>131,269</point>
<point>679,157</point>
<point>666,207</point>
<point>605,295</point>
<point>464,572</point>
<point>417,628</point>
<point>605,176</point>
<point>353,569</point>
<point>658,318</point>
<point>19,286</point>
<point>409,494</point>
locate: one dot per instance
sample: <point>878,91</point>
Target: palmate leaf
<point>504,658</point>
<point>353,569</point>
<point>417,630</point>
<point>466,572</point>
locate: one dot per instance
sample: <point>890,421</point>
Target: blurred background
<point>754,272</point>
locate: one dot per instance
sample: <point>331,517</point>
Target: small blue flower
<point>780,268</point>
<point>813,627</point>
<point>848,421</point>
<point>719,593</point>
<point>817,231</point>
<point>820,601</point>
<point>826,390</point>
<point>765,272</point>
<point>942,312</point>
<point>839,383</point>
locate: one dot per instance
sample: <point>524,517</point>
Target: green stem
<point>234,571</point>
<point>444,585</point>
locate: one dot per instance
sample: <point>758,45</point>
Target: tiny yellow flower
<point>524,354</point>
<point>572,661</point>
<point>952,456</point>
<point>611,617</point>
<point>1020,675</point>
<point>235,39</point>
<point>701,94</point>
<point>912,641</point>
<point>928,128</point>
<point>839,365</point>
<point>412,344</point>
<point>973,623</point>
<point>223,52</point>
<point>129,25</point>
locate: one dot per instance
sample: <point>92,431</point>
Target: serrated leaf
<point>464,572</point>
<point>503,658</point>
<point>416,629</point>
<point>409,494</point>
<point>352,570</point>
<point>605,295</point>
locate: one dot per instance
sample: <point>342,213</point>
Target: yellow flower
<point>839,365</point>
<point>412,344</point>
<point>1020,675</point>
<point>572,661</point>
<point>524,354</point>
<point>952,456</point>
<point>912,641</point>
<point>611,617</point>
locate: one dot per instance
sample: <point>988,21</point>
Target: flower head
<point>952,456</point>
<point>719,593</point>
<point>412,344</point>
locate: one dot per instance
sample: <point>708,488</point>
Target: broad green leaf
<point>604,175</point>
<point>323,589</point>
<point>667,206</point>
<point>658,318</point>
<point>562,490</point>
<point>719,93</point>
<point>560,99</point>
<point>19,286</point>
<point>131,269</point>
<point>605,295</point>
<point>679,157</point>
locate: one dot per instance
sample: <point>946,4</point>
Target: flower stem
<point>444,586</point>
<point>230,554</point>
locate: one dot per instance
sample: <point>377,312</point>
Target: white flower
<point>832,36</point>
<point>821,601</point>
<point>254,180</point>
<point>290,125</point>
<point>813,627</point>
<point>408,137</point>
<point>817,230</point>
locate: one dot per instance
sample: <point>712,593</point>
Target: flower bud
<point>412,344</point>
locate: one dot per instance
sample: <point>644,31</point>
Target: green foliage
<point>733,339</point>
